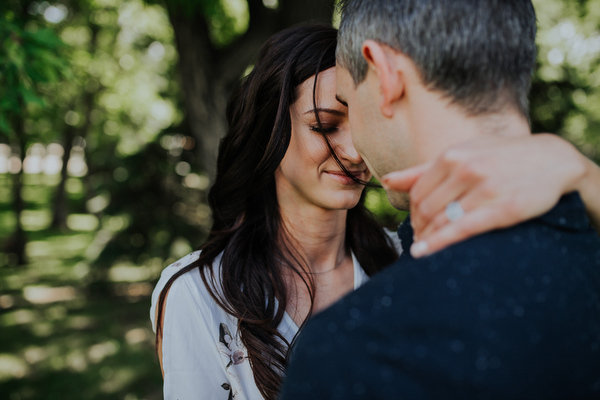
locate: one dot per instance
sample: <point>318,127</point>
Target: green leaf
<point>5,126</point>
<point>30,97</point>
<point>44,38</point>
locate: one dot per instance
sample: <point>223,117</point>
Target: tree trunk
<point>204,102</point>
<point>61,207</point>
<point>293,12</point>
<point>18,240</point>
<point>61,211</point>
<point>207,74</point>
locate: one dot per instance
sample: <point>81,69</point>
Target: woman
<point>290,234</point>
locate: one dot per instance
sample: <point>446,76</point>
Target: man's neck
<point>439,124</point>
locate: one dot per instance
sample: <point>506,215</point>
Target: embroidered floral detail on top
<point>234,353</point>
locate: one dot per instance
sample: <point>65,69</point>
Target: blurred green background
<point>110,115</point>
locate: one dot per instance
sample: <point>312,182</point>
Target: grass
<point>58,341</point>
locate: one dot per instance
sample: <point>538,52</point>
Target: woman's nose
<point>346,149</point>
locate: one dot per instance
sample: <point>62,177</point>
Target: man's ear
<point>381,59</point>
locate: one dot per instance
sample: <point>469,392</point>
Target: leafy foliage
<point>227,18</point>
<point>29,58</point>
<point>566,88</point>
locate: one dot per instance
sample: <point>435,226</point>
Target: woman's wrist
<point>589,190</point>
<point>583,176</point>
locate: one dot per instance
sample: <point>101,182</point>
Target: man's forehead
<point>342,73</point>
<point>342,87</point>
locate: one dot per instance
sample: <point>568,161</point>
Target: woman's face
<point>308,173</point>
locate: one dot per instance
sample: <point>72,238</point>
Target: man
<point>514,313</point>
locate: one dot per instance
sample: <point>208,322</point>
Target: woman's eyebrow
<point>326,110</point>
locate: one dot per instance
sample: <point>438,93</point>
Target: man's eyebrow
<point>326,110</point>
<point>337,97</point>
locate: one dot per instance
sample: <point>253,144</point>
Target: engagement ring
<point>454,211</point>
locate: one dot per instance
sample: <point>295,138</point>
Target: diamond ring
<point>454,211</point>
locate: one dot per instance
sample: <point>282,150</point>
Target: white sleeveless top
<point>202,353</point>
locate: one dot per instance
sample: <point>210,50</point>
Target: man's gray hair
<point>479,53</point>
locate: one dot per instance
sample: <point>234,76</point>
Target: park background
<point>110,117</point>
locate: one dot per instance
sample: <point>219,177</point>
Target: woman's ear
<point>382,61</point>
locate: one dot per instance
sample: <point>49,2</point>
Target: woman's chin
<point>344,202</point>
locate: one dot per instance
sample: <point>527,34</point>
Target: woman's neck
<point>318,235</point>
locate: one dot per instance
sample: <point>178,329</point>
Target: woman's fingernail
<point>392,174</point>
<point>419,249</point>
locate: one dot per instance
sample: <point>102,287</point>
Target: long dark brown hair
<point>247,227</point>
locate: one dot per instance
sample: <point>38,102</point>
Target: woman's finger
<point>403,181</point>
<point>453,188</point>
<point>471,224</point>
<point>471,198</point>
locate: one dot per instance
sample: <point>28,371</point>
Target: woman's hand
<point>498,182</point>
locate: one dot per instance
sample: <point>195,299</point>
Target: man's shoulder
<point>485,310</point>
<point>537,262</point>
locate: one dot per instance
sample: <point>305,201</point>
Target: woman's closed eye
<point>324,129</point>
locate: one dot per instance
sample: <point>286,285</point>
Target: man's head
<point>476,56</point>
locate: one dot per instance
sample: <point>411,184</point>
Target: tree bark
<point>61,207</point>
<point>199,83</point>
<point>60,212</point>
<point>18,240</point>
<point>207,74</point>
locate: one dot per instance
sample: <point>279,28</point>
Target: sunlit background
<point>110,113</point>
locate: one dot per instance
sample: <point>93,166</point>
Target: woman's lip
<point>355,173</point>
<point>344,178</point>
